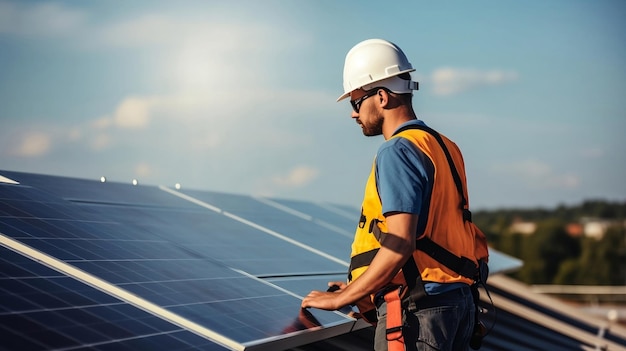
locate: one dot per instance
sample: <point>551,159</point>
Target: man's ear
<point>384,97</point>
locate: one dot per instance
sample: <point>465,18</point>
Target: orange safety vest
<point>448,233</point>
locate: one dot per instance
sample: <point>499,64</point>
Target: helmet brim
<point>393,83</point>
<point>345,95</point>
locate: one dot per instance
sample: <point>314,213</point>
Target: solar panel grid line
<point>287,239</point>
<point>283,208</point>
<point>304,216</point>
<point>117,292</point>
<point>334,228</point>
<point>330,216</point>
<point>190,199</point>
<point>256,226</point>
<point>109,342</point>
<point>335,209</point>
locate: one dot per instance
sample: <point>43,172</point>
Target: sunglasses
<point>356,104</point>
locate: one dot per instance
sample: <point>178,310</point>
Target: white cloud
<point>449,81</point>
<point>537,174</point>
<point>33,144</point>
<point>297,177</point>
<point>133,113</point>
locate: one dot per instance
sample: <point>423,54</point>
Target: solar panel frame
<point>96,236</point>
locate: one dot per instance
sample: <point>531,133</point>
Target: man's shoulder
<point>394,144</point>
<point>411,124</point>
<point>400,149</point>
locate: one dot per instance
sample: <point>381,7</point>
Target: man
<point>412,193</point>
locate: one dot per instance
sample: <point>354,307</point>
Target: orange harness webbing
<point>395,340</point>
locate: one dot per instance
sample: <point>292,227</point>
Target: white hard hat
<point>376,61</point>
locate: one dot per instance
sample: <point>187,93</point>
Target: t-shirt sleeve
<point>403,173</point>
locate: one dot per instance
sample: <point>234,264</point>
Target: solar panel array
<point>112,266</point>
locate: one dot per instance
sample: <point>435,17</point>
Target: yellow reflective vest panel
<point>444,223</point>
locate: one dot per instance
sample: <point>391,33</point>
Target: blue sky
<point>239,96</point>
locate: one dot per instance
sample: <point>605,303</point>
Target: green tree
<point>545,250</point>
<point>602,262</point>
<point>568,273</point>
<point>511,244</point>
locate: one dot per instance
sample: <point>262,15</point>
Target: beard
<point>375,128</point>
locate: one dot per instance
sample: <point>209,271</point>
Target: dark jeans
<point>442,322</point>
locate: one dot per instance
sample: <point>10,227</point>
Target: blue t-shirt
<point>405,177</point>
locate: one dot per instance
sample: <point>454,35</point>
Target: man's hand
<point>325,300</point>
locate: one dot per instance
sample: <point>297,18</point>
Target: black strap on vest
<point>461,265</point>
<point>467,215</point>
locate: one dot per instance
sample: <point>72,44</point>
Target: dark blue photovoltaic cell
<point>179,258</point>
<point>304,231</point>
<point>215,235</point>
<point>336,215</point>
<point>41,309</point>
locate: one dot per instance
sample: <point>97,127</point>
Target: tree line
<point>551,254</point>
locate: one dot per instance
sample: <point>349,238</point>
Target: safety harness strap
<point>460,265</point>
<point>395,340</point>
<point>467,215</point>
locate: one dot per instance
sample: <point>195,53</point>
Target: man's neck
<point>394,121</point>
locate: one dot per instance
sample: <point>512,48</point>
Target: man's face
<point>369,116</point>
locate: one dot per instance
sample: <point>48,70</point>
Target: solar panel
<point>215,270</point>
<point>151,251</point>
